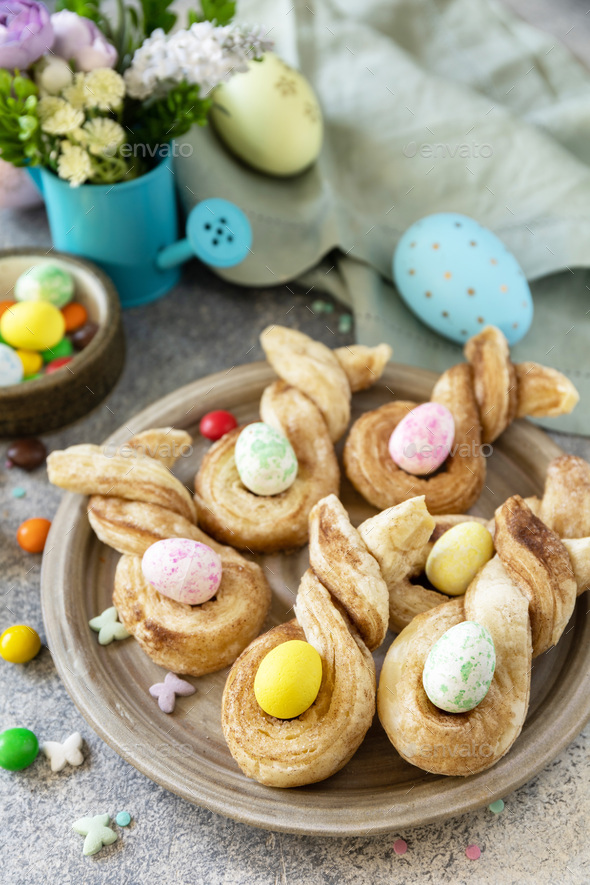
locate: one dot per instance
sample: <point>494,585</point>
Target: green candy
<point>265,459</point>
<point>62,348</point>
<point>45,282</point>
<point>18,748</point>
<point>460,667</point>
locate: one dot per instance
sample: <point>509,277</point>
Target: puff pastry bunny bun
<point>523,599</point>
<point>483,396</point>
<point>342,612</point>
<point>310,406</point>
<point>135,502</point>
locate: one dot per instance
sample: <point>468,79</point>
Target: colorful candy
<point>18,748</point>
<point>19,644</point>
<point>288,679</point>
<point>457,556</point>
<point>27,453</point>
<point>32,534</point>
<point>75,315</point>
<point>11,368</point>
<point>45,282</point>
<point>59,350</point>
<point>214,425</point>
<point>32,325</point>
<point>31,360</point>
<point>108,626</point>
<point>123,819</point>
<point>422,440</point>
<point>184,570</point>
<point>167,690</point>
<point>54,365</point>
<point>460,667</point>
<point>265,459</point>
<point>4,305</point>
<point>97,832</point>
<point>84,335</point>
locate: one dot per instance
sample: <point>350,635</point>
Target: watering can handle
<point>175,254</point>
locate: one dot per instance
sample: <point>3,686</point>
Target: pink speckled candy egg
<point>184,570</point>
<point>422,440</point>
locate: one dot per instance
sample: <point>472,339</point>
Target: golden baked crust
<point>341,608</point>
<point>230,512</point>
<point>310,405</point>
<point>135,502</point>
<point>524,596</point>
<point>193,640</point>
<point>484,395</point>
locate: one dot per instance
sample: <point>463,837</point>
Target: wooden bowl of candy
<point>62,346</point>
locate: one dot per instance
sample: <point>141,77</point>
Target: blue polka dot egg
<point>458,277</point>
<point>265,459</point>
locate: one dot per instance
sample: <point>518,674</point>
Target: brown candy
<point>27,453</point>
<point>83,336</point>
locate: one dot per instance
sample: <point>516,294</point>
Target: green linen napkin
<point>452,105</point>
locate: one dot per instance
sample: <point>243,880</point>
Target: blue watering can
<point>130,229</point>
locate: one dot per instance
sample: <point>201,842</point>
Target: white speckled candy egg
<point>460,667</point>
<point>458,277</point>
<point>423,439</point>
<point>269,117</point>
<point>265,459</point>
<point>45,282</point>
<point>184,570</point>
<point>11,368</point>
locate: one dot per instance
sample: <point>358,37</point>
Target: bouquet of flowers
<point>99,101</point>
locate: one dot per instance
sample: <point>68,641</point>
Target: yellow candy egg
<point>19,644</point>
<point>32,325</point>
<point>457,557</point>
<point>288,679</point>
<point>31,360</point>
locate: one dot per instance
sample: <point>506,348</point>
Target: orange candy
<point>75,315</point>
<point>32,534</point>
<point>4,305</point>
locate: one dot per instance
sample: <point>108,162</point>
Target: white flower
<point>76,93</point>
<point>74,164</point>
<point>53,74</point>
<point>104,89</point>
<point>101,136</point>
<point>57,116</point>
<point>203,55</point>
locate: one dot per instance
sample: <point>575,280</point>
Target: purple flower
<point>25,33</point>
<point>79,40</point>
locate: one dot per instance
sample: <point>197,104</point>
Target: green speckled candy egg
<point>45,282</point>
<point>265,459</point>
<point>460,667</point>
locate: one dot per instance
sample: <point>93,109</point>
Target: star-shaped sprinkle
<point>60,755</point>
<point>108,626</point>
<point>97,832</point>
<point>167,690</point>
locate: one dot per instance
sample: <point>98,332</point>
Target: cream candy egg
<point>269,117</point>
<point>265,459</point>
<point>458,277</point>
<point>457,556</point>
<point>460,667</point>
<point>422,440</point>
<point>32,325</point>
<point>11,367</point>
<point>184,570</point>
<point>288,679</point>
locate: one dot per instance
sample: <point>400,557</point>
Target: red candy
<point>59,363</point>
<point>214,425</point>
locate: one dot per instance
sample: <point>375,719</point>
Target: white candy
<point>11,368</point>
<point>60,755</point>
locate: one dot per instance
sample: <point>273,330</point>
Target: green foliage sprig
<point>19,124</point>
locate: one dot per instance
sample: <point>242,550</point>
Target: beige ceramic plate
<point>186,753</point>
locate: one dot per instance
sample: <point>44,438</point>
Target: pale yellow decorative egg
<point>457,557</point>
<point>269,117</point>
<point>288,679</point>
